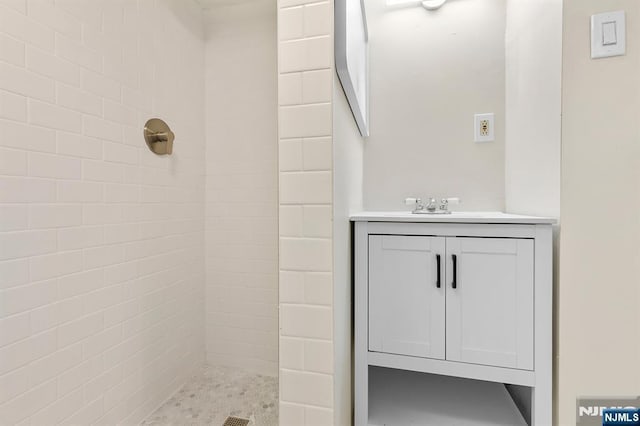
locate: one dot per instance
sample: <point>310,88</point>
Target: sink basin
<point>454,214</point>
<point>436,212</point>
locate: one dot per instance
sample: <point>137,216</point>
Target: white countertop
<point>454,217</point>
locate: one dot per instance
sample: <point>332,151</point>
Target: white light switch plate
<point>608,34</point>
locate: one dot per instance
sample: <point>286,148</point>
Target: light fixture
<point>427,4</point>
<point>433,4</point>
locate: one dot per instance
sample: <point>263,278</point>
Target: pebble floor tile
<point>215,393</point>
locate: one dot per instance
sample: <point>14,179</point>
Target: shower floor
<point>215,393</point>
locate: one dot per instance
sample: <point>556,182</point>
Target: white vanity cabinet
<point>490,301</point>
<point>462,295</point>
<point>406,300</point>
<point>472,295</point>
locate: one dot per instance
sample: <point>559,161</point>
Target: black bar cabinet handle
<point>438,273</point>
<point>454,283</point>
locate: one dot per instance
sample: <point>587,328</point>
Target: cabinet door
<point>490,301</point>
<point>406,306</point>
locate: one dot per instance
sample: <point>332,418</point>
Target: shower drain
<point>235,421</point>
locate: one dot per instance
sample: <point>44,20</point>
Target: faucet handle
<point>415,202</point>
<point>444,203</point>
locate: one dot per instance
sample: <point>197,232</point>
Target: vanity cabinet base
<point>467,306</point>
<point>399,397</point>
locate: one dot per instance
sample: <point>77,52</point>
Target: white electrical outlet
<point>483,125</point>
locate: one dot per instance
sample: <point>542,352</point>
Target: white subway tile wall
<point>242,186</point>
<point>101,242</point>
<point>305,32</point>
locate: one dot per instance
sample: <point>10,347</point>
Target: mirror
<point>352,58</point>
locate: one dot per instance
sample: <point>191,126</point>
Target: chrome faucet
<point>431,206</point>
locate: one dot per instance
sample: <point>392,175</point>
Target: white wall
<point>101,241</point>
<point>533,116</point>
<point>430,73</point>
<point>533,107</point>
<point>599,324</point>
<point>242,185</point>
<point>348,148</point>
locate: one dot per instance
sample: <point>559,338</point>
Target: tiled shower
<point>122,273</point>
